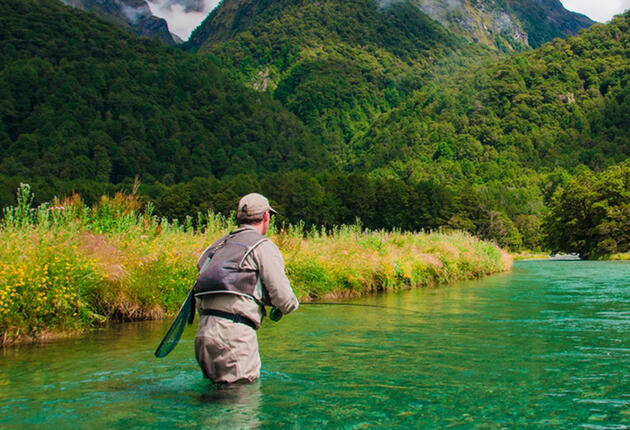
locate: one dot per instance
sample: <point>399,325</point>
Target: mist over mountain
<point>501,24</point>
<point>132,15</point>
<point>182,15</point>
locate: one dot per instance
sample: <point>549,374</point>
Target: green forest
<point>85,100</point>
<point>337,111</point>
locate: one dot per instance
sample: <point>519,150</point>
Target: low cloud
<point>182,16</point>
<point>133,14</point>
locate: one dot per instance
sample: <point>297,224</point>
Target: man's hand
<point>275,314</point>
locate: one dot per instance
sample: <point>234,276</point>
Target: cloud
<point>133,14</point>
<point>182,16</point>
<point>602,10</point>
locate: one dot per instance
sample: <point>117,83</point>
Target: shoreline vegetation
<point>66,267</point>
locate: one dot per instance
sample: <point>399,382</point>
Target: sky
<point>182,23</point>
<point>597,10</point>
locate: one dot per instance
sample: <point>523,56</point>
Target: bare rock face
<point>506,25</point>
<point>153,26</point>
<point>133,15</point>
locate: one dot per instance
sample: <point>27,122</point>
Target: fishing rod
<point>275,313</point>
<point>186,315</point>
<point>391,308</point>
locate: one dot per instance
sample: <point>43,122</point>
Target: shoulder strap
<point>249,251</point>
<point>208,254</point>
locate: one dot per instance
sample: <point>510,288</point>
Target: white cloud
<point>600,10</point>
<point>179,21</point>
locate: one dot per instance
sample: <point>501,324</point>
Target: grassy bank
<point>65,266</point>
<point>529,255</point>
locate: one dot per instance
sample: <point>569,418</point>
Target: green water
<point>547,345</point>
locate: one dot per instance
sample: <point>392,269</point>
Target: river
<point>545,345</point>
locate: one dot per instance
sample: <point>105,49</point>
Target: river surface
<point>544,346</point>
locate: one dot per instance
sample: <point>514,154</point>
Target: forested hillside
<point>482,149</point>
<point>336,65</point>
<point>132,15</point>
<point>564,104</point>
<point>387,126</point>
<point>82,99</point>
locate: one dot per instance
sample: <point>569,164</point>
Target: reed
<point>65,266</point>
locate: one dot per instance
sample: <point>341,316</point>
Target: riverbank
<point>65,267</point>
<point>528,255</point>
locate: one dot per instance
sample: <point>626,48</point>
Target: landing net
<point>185,315</point>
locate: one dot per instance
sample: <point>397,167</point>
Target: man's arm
<point>273,277</point>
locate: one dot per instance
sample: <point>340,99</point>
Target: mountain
<point>394,119</point>
<point>336,65</point>
<point>500,24</point>
<point>564,104</point>
<point>132,15</point>
<point>82,99</point>
<point>506,24</point>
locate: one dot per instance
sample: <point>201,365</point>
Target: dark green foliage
<point>482,150</point>
<point>83,100</point>
<point>590,215</point>
<point>546,20</point>
<point>564,104</point>
<point>335,64</point>
<point>329,199</point>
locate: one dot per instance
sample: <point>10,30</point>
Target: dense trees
<point>590,215</point>
<point>564,104</point>
<point>328,199</point>
<point>81,99</point>
<point>337,65</point>
<point>371,133</point>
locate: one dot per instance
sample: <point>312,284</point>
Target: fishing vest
<point>221,267</point>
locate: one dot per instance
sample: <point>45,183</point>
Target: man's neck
<point>258,227</point>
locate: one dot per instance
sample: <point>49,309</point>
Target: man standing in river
<point>238,275</point>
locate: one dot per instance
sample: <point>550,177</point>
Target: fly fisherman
<point>238,275</point>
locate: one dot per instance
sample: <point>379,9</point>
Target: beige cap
<point>254,204</point>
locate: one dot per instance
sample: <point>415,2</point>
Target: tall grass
<point>65,266</point>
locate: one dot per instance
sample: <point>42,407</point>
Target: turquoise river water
<point>544,346</point>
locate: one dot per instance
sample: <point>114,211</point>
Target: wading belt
<point>237,318</point>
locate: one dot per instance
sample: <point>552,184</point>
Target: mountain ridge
<point>132,15</point>
<point>84,99</point>
<point>507,24</point>
<point>476,20</point>
<point>336,65</point>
